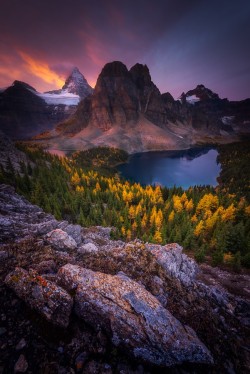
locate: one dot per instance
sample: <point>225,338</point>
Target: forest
<point>212,224</point>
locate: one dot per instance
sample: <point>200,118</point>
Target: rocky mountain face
<point>85,303</point>
<point>125,110</point>
<point>128,111</point>
<point>120,98</point>
<point>24,112</point>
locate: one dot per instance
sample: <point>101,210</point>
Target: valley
<point>108,243</point>
<point>86,189</point>
<point>104,267</point>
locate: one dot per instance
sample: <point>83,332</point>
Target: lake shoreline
<point>161,167</point>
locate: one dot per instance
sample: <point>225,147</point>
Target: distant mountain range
<point>125,110</point>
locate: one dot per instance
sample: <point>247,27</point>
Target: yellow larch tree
<point>171,216</point>
<point>79,189</point>
<point>157,237</point>
<point>129,234</point>
<point>144,221</point>
<point>131,212</point>
<point>194,218</point>
<point>229,214</point>
<point>199,228</point>
<point>134,226</point>
<point>123,231</point>
<point>184,198</point>
<point>75,179</point>
<point>207,202</point>
<point>177,203</point>
<point>159,219</point>
<point>189,205</point>
<point>153,216</point>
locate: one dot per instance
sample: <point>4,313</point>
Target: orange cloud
<point>41,70</point>
<point>8,70</point>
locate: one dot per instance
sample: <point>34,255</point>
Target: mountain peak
<point>76,74</point>
<point>140,68</point>
<point>77,84</point>
<point>76,70</point>
<point>200,87</point>
<point>20,84</point>
<point>200,93</point>
<point>140,74</point>
<point>115,69</point>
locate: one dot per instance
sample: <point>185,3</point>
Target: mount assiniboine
<point>127,110</point>
<point>24,112</point>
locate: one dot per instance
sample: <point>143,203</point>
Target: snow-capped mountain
<point>25,112</point>
<point>77,84</point>
<point>75,88</point>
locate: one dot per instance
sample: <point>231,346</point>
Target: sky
<point>183,42</point>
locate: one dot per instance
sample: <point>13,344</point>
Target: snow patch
<point>227,120</point>
<point>65,98</point>
<point>192,99</point>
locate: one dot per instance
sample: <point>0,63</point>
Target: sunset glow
<point>183,43</point>
<point>41,70</point>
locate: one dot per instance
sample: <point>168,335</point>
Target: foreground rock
<point>51,301</point>
<point>214,304</point>
<point>175,263</point>
<point>20,219</point>
<point>60,240</point>
<point>21,365</point>
<point>133,317</point>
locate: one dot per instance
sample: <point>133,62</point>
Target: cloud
<point>182,42</point>
<point>41,70</point>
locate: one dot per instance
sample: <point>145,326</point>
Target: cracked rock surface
<point>86,303</point>
<point>132,317</point>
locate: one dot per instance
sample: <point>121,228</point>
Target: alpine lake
<point>192,167</point>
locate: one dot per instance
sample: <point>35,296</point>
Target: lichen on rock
<point>60,240</point>
<point>44,296</point>
<point>132,317</point>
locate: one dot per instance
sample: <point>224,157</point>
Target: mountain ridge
<point>127,110</point>
<point>125,102</point>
